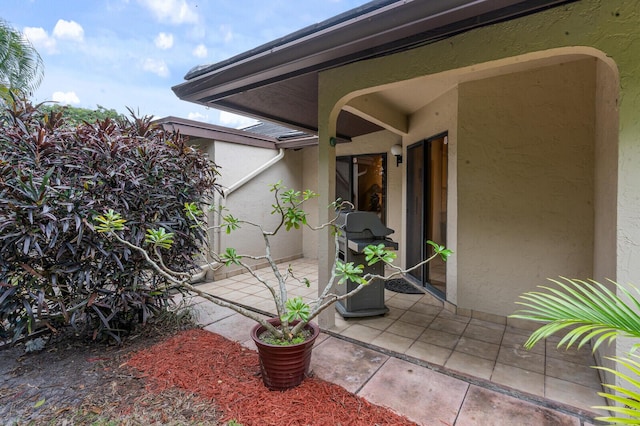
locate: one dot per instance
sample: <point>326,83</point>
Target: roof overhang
<point>278,81</point>
<point>199,130</point>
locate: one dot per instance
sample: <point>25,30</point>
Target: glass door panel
<point>427,209</point>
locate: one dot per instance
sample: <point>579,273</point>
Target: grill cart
<point>360,229</point>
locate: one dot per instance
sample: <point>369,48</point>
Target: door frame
<point>422,273</point>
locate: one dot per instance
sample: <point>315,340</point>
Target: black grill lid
<point>359,222</point>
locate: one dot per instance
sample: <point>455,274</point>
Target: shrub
<point>54,178</point>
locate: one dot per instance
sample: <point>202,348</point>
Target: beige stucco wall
<point>604,30</point>
<point>605,173</point>
<point>205,145</point>
<point>252,201</point>
<point>310,181</point>
<point>525,183</point>
<point>605,195</point>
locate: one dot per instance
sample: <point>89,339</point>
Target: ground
<point>168,376</point>
<point>76,381</point>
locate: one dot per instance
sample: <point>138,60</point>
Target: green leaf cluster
<point>21,67</point>
<point>159,238</point>
<point>289,205</point>
<point>627,396</point>
<point>440,250</point>
<point>74,116</point>
<point>230,257</point>
<point>109,222</point>
<point>378,253</point>
<point>230,223</point>
<point>585,310</point>
<point>348,271</point>
<point>193,212</point>
<point>296,309</point>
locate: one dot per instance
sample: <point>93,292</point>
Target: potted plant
<point>283,342</point>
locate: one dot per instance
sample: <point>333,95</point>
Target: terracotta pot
<point>284,367</point>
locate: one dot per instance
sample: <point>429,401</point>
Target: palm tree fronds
<point>628,398</point>
<point>597,312</point>
<point>21,67</point>
<point>589,311</point>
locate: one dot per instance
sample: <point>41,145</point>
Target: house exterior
<point>518,122</point>
<point>248,160</point>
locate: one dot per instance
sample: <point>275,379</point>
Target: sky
<point>129,53</point>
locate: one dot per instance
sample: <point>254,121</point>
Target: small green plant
<point>294,313</point>
<point>296,309</point>
<point>589,312</point>
<point>269,338</point>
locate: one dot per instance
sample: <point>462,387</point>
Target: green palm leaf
<point>627,398</point>
<point>589,311</point>
<point>585,310</point>
<point>21,67</point>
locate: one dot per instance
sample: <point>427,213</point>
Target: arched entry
<point>531,149</point>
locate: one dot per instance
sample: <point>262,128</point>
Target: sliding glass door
<point>427,209</point>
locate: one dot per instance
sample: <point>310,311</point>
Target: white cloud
<point>164,41</point>
<point>63,30</point>
<point>40,39</point>
<point>197,116</point>
<point>156,66</point>
<point>172,11</point>
<point>200,51</point>
<point>227,33</point>
<point>236,121</point>
<point>65,98</point>
<point>68,30</point>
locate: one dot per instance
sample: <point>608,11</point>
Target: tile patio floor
<point>429,364</point>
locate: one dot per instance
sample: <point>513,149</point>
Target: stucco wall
<point>606,172</point>
<point>253,200</point>
<point>525,183</point>
<point>607,30</point>
<point>309,157</point>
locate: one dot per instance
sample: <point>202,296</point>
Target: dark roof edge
<point>311,29</point>
<point>199,129</point>
<point>361,33</point>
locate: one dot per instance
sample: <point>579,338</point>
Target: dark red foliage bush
<point>54,178</point>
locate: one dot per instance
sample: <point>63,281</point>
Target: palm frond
<point>21,67</point>
<point>627,398</point>
<point>586,310</point>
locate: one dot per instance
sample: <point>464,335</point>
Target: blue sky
<point>129,53</point>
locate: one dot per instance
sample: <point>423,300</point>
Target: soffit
<point>409,96</point>
<point>278,81</point>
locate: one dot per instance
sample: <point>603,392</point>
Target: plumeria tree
<point>288,207</point>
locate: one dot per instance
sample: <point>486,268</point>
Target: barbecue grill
<point>360,229</point>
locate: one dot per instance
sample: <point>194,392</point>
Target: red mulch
<point>226,373</point>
